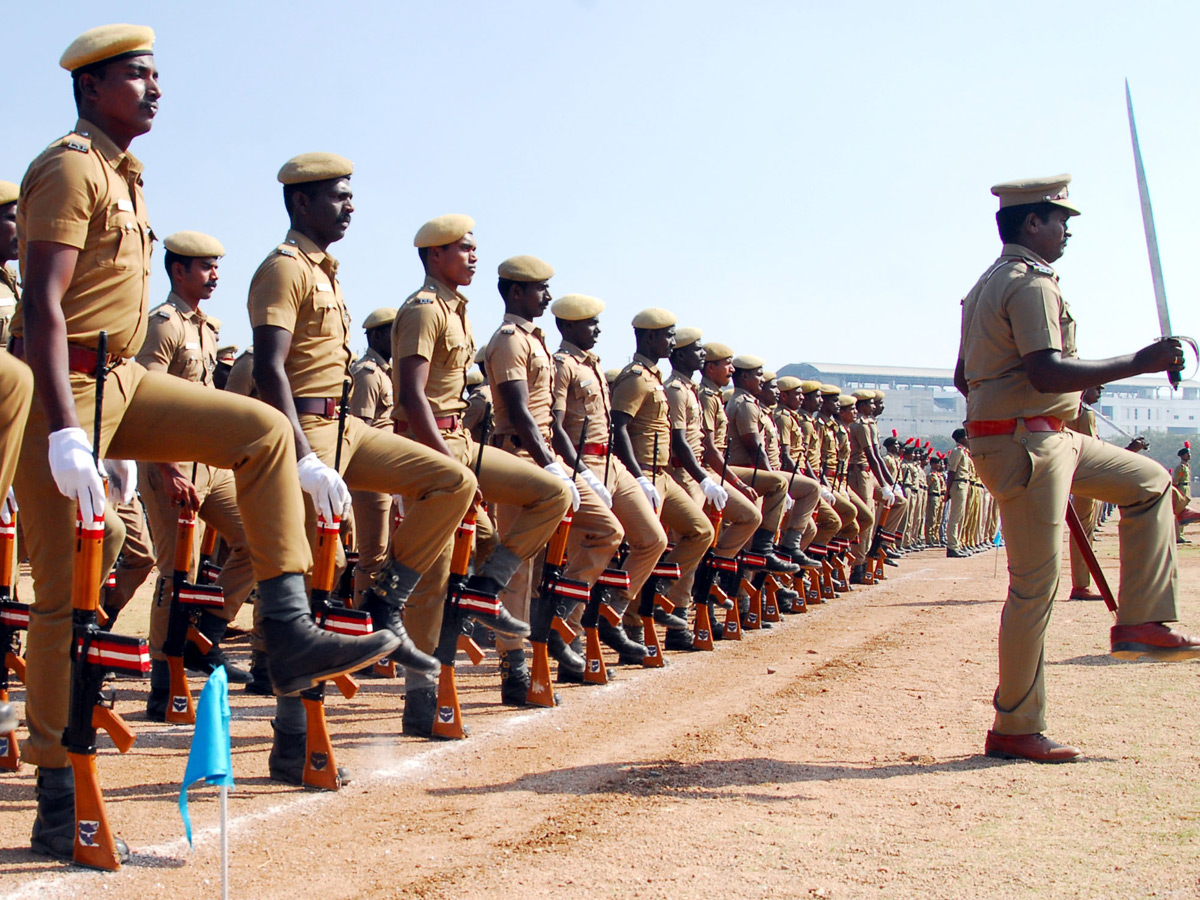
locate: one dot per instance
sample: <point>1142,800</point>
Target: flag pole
<point>224,842</point>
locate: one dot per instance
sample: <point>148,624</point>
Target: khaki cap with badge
<point>226,355</point>
<point>810,387</point>
<point>685,337</point>
<point>789,383</point>
<point>194,244</point>
<point>715,351</point>
<point>527,269</point>
<point>576,307</point>
<point>845,400</point>
<point>830,390</point>
<point>1026,191</point>
<point>747,361</point>
<point>768,375</point>
<point>9,193</point>
<point>443,230</point>
<point>309,167</point>
<point>654,318</point>
<point>107,42</point>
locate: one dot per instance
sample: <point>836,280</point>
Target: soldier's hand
<point>329,493</point>
<point>74,471</point>
<point>122,480</point>
<point>1161,356</point>
<point>1138,444</point>
<point>597,487</point>
<point>751,493</point>
<point>650,491</point>
<point>714,493</point>
<point>558,471</point>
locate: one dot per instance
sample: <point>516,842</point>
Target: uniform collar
<point>521,322</point>
<point>707,384</point>
<point>676,375</point>
<point>649,363</point>
<point>174,300</point>
<point>445,293</point>
<point>1024,253</point>
<point>104,145</point>
<point>376,358</point>
<point>306,246</point>
<point>742,392</point>
<point>586,355</point>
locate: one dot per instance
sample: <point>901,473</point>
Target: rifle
<point>94,653</point>
<point>447,722</point>
<point>652,594</point>
<point>556,595</point>
<point>208,570</point>
<point>320,768</point>
<point>187,601</point>
<point>706,574</point>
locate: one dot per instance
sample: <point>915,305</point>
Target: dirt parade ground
<point>838,755</point>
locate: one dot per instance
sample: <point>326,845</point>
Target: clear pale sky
<point>804,181</point>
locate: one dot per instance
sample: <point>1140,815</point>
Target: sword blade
<point>1160,290</point>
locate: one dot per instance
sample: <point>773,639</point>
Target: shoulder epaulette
<point>508,329</point>
<point>561,355</point>
<point>1038,267</point>
<point>636,369</point>
<point>364,365</point>
<point>163,312</point>
<point>286,251</point>
<point>74,141</point>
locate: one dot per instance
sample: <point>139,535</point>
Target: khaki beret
<point>845,400</point>
<point>830,389</point>
<point>576,307</point>
<point>747,361</point>
<point>768,375</point>
<point>685,337</point>
<point>194,244</point>
<point>314,167</point>
<point>9,193</point>
<point>525,268</point>
<point>1036,190</point>
<point>654,318</point>
<point>227,354</point>
<point>385,315</point>
<point>474,377</point>
<point>443,230</point>
<point>714,351</point>
<point>107,42</point>
<point>879,395</point>
<point>789,383</point>
<point>809,387</point>
<point>481,354</point>
<point>864,394</point>
<point>610,375</point>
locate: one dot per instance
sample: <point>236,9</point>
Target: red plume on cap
<point>1187,445</point>
<point>895,433</point>
<point>928,445</point>
<point>907,441</point>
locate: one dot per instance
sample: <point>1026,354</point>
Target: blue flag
<point>210,759</point>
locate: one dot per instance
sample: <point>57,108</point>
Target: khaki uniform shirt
<point>937,484</point>
<point>580,390</point>
<point>827,429</point>
<point>477,404</point>
<point>433,324</point>
<point>296,289</point>
<point>712,413</point>
<point>10,294</point>
<point>371,390</point>
<point>683,411</point>
<point>1015,309</point>
<point>1085,422</point>
<point>517,352</point>
<point>85,192</point>
<point>960,465</point>
<point>812,439</point>
<point>241,375</point>
<point>745,418</point>
<point>638,392</point>
<point>181,341</point>
<point>1181,477</point>
<point>860,440</point>
<point>771,439</point>
<point>791,435</point>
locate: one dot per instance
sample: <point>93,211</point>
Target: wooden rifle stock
<point>94,844</point>
<point>14,618</point>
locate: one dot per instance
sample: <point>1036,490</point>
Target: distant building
<point>925,402</point>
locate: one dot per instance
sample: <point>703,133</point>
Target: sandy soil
<point>837,756</point>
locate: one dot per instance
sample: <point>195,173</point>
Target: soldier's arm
<point>1052,373</point>
<point>756,450</point>
<point>271,346</point>
<point>960,377</point>
<point>714,459</point>
<point>682,451</point>
<point>516,401</point>
<point>562,441</point>
<point>622,445</point>
<point>412,375</point>
<point>162,341</point>
<point>49,267</point>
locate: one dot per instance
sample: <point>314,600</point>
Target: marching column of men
<point>275,448</point>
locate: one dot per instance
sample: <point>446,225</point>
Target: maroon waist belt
<point>79,359</point>
<point>993,427</point>
<point>317,406</point>
<point>595,449</point>
<point>444,423</point>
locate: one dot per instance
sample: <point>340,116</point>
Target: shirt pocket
<point>457,350</point>
<point>326,320</point>
<point>121,243</point>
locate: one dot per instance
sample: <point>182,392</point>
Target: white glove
<point>898,491</point>
<point>597,486</point>
<point>75,471</point>
<point>8,508</point>
<point>650,491</point>
<point>122,480</point>
<point>888,497</point>
<point>714,493</point>
<point>558,471</point>
<point>827,495</point>
<point>399,501</point>
<point>788,502</point>
<point>329,493</point>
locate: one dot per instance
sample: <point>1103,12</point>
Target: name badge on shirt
<point>191,345</point>
<point>125,205</point>
<point>321,286</point>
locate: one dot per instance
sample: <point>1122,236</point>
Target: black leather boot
<point>212,627</point>
<point>286,762</point>
<point>514,678</point>
<point>54,827</point>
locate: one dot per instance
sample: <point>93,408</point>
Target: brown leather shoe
<point>1084,594</point>
<point>1153,639</point>
<point>1033,747</point>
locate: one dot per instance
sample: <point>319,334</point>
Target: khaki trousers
<point>595,536</point>
<point>16,398</point>
<point>128,542</point>
<point>1086,509</point>
<point>1031,475</point>
<point>504,479</point>
<point>739,520</point>
<point>372,523</point>
<point>644,533</point>
<point>772,487</point>
<point>218,428</point>
<point>850,515</point>
<point>957,498</point>
<point>933,518</point>
<point>219,510</point>
<point>864,491</point>
<point>828,523</point>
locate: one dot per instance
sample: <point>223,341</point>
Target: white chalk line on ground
<point>66,882</point>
